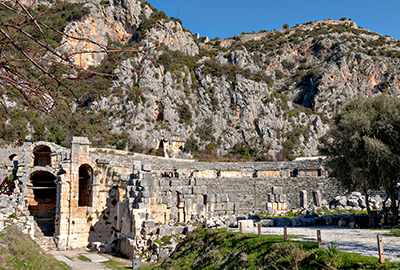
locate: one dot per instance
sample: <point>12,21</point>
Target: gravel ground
<point>359,241</point>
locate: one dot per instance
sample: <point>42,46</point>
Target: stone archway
<point>41,199</point>
<point>42,155</point>
<point>85,185</point>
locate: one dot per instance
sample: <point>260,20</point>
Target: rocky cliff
<point>266,95</point>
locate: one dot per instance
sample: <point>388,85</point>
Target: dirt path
<point>359,241</point>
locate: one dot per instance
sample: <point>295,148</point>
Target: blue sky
<point>223,18</point>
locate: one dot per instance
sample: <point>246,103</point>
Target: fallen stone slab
<point>63,259</point>
<point>96,258</point>
<point>247,223</point>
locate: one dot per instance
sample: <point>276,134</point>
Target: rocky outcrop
<point>266,95</point>
<point>255,103</point>
<point>87,35</point>
<point>117,21</point>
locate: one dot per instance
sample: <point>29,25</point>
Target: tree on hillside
<point>37,75</point>
<point>363,147</point>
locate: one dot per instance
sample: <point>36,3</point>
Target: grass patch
<point>124,265</point>
<point>19,251</point>
<point>339,212</point>
<point>392,231</point>
<point>83,258</point>
<point>116,265</point>
<point>320,212</point>
<point>218,249</point>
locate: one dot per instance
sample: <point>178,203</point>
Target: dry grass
<point>19,251</point>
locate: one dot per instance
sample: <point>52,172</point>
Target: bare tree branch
<point>39,76</point>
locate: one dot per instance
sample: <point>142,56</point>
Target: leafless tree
<point>34,71</point>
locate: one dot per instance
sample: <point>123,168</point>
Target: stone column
<point>303,199</point>
<point>317,198</point>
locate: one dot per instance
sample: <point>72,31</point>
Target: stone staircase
<point>45,242</point>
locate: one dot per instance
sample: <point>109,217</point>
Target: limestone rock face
<point>91,27</point>
<point>121,18</point>
<point>118,22</point>
<point>269,93</point>
<point>172,35</point>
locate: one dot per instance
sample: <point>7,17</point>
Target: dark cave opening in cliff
<point>161,147</point>
<point>158,111</point>
<point>41,201</point>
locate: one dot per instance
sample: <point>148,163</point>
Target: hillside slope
<point>266,95</point>
<point>218,249</point>
<point>19,251</point>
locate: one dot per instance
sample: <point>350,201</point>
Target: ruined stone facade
<point>82,196</point>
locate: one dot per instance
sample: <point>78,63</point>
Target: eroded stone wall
<point>130,195</point>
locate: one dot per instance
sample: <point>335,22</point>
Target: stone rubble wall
<point>245,183</point>
<point>251,194</point>
<point>132,199</point>
<point>203,191</point>
<point>153,204</point>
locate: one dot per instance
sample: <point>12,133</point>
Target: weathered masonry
<point>58,187</point>
<point>80,195</point>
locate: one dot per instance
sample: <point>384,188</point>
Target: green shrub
<point>279,74</point>
<point>135,94</point>
<point>191,145</point>
<point>151,22</point>
<point>288,65</point>
<point>288,147</point>
<point>185,114</point>
<point>105,3</point>
<point>173,60</point>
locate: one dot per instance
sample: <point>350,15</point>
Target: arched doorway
<point>42,156</point>
<point>42,200</point>
<point>85,185</point>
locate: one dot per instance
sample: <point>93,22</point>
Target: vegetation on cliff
<point>260,96</point>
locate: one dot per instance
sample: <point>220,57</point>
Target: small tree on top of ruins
<point>363,147</point>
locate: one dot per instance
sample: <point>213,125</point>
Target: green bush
<point>148,23</point>
<point>288,147</point>
<point>288,65</point>
<point>173,60</point>
<point>135,94</point>
<point>191,145</point>
<point>185,114</point>
<point>279,74</point>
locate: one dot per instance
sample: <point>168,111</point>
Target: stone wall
<point>49,189</point>
<point>252,193</point>
<point>245,183</point>
<point>97,194</point>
